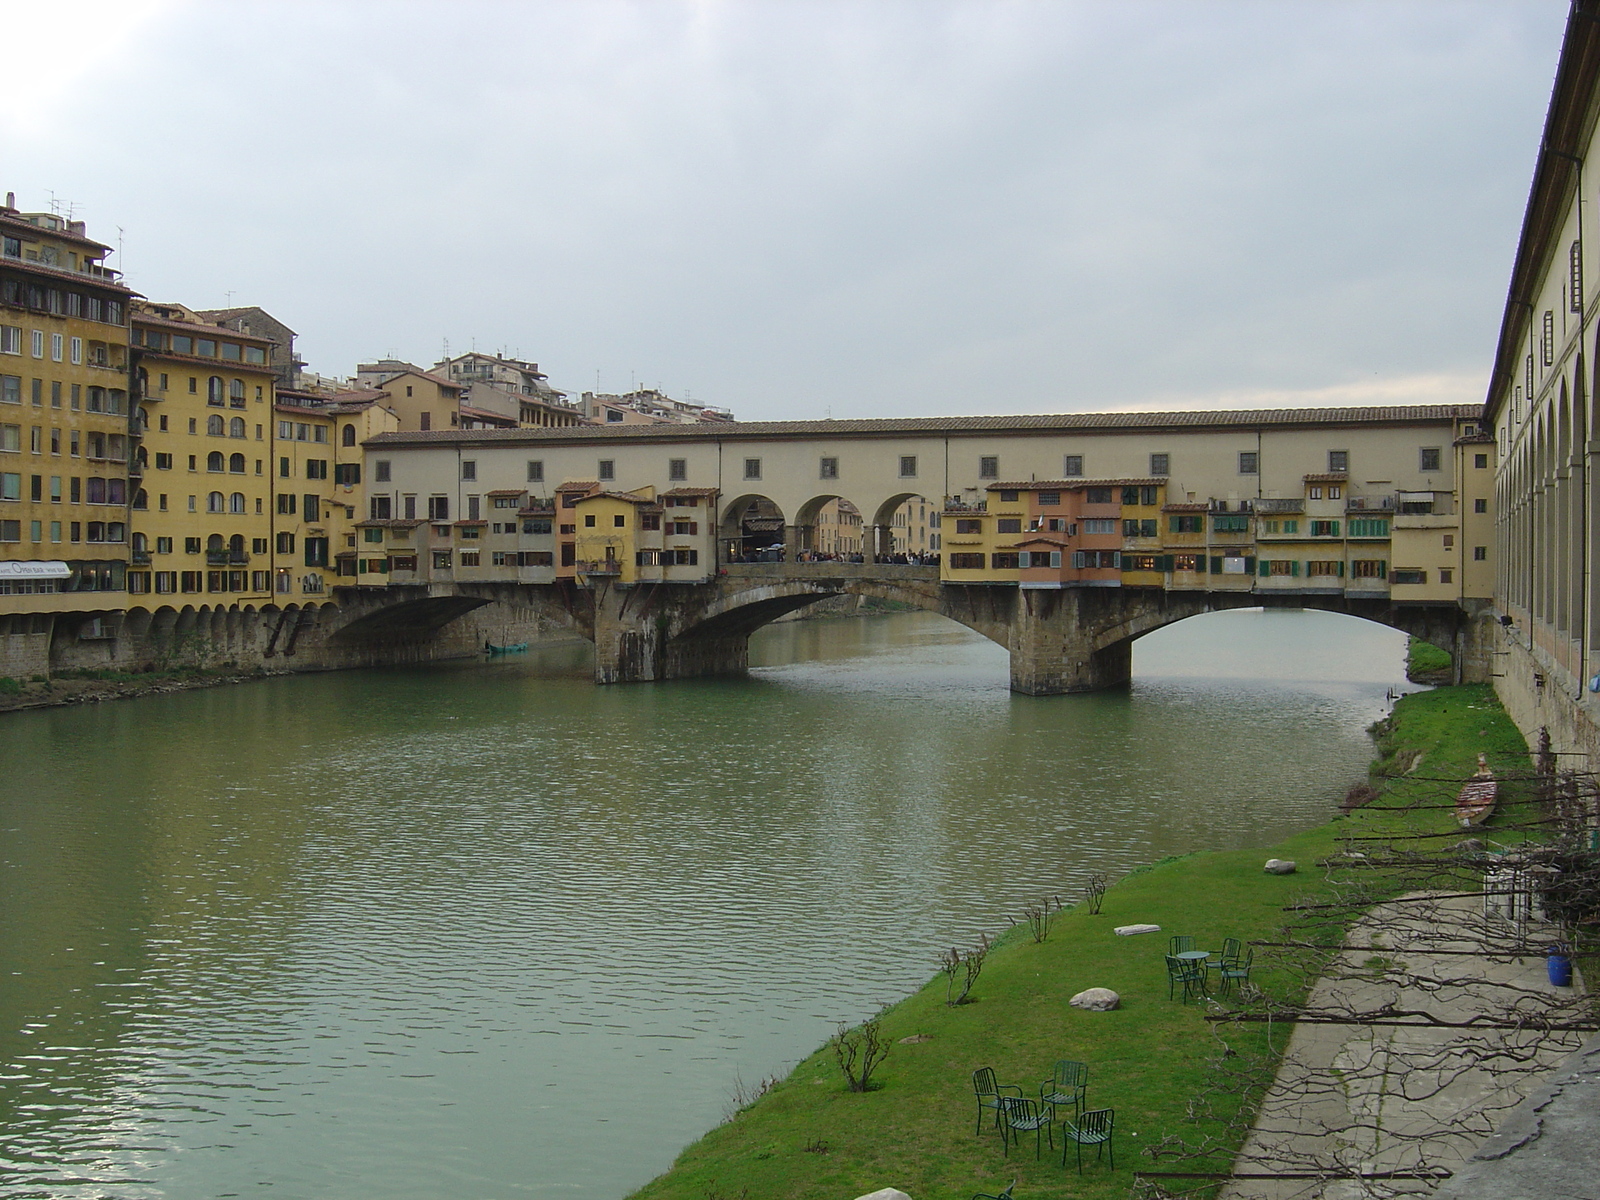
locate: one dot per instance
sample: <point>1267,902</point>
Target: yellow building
<point>202,516</point>
<point>65,433</point>
<point>319,496</point>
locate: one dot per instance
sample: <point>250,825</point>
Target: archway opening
<point>753,530</point>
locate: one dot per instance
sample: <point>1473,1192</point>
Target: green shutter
<point>1165,562</point>
<point>1335,527</point>
<point>1216,565</point>
<point>1263,566</point>
<point>1249,563</point>
<point>1341,569</point>
<point>1383,569</point>
<point>1294,567</point>
<point>1172,524</point>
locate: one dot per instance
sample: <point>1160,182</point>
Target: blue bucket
<point>1559,965</point>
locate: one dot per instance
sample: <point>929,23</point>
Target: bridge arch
<point>750,522</point>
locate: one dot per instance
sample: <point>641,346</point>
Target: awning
<point>34,570</point>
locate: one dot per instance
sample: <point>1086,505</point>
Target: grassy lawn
<point>1424,658</point>
<point>810,1138</point>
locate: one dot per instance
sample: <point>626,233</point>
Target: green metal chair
<point>1191,973</point>
<point>1005,1195</point>
<point>1018,1115</point>
<point>1093,1128</point>
<point>988,1092</point>
<point>1231,949</point>
<point>1180,943</point>
<point>1238,970</point>
<point>1066,1086</point>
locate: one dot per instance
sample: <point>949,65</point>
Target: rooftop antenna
<point>55,205</point>
<point>229,295</point>
<point>119,248</point>
<point>444,348</point>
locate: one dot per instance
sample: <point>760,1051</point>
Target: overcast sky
<point>818,208</point>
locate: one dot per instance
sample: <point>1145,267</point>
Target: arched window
<point>236,427</point>
<point>349,435</point>
<point>214,542</point>
<point>214,461</point>
<point>236,543</point>
<point>216,502</point>
<point>141,499</point>
<point>215,426</point>
<point>143,457</point>
<point>236,393</point>
<point>236,502</point>
<point>214,391</point>
<point>236,463</point>
<point>141,544</point>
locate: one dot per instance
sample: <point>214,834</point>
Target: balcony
<point>605,566</point>
<point>140,558</point>
<point>1277,506</point>
<point>226,558</point>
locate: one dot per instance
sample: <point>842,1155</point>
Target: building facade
<point>68,469</point>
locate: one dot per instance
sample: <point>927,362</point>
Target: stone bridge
<point>1066,640</point>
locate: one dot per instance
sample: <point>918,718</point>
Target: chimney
<point>11,199</point>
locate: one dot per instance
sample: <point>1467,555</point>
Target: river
<point>487,931</point>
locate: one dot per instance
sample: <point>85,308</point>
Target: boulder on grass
<point>1130,930</point>
<point>1096,1000</point>
<point>885,1194</point>
<point>1280,866</point>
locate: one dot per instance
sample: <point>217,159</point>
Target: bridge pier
<point>1058,643</point>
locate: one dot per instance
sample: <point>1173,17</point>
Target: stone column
<point>1055,646</point>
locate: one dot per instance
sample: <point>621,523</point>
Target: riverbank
<point>96,687</point>
<point>1156,1061</point>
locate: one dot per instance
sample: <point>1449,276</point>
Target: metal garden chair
<point>1005,1195</point>
<point>1188,972</point>
<point>988,1092</point>
<point>1066,1086</point>
<point>1018,1114</point>
<point>1180,943</point>
<point>1093,1128</point>
<point>1238,970</point>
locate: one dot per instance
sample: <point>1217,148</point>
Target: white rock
<point>1130,930</point>
<point>885,1194</point>
<point>1096,1000</point>
<point>1280,866</point>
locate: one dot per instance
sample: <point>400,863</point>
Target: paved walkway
<point>1391,1086</point>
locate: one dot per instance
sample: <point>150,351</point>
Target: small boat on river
<point>1475,802</point>
<point>514,648</point>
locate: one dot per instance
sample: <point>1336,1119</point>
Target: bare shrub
<point>961,970</point>
<point>1094,892</point>
<point>860,1052</point>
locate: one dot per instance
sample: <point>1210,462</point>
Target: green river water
<point>484,931</point>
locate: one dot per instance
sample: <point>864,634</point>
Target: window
<point>1072,466</point>
<point>1428,458</point>
<point>1368,527</point>
<point>316,468</point>
<point>316,549</point>
<point>1369,568</point>
<point>1480,506</point>
<point>1098,495</point>
<point>1099,525</point>
<point>1049,499</point>
<point>283,468</point>
<point>1338,461</point>
<point>10,389</point>
<point>1005,560</point>
<point>236,464</point>
<point>1548,347</point>
<point>348,436</point>
<point>606,469</point>
<point>75,351</point>
<point>752,468</point>
<point>966,562</point>
<point>1480,461</point>
<point>469,469</point>
<point>216,502</point>
<point>1187,524</point>
<point>236,502</point>
<point>989,466</point>
<point>286,504</point>
<point>311,508</point>
<point>1324,567</point>
<point>348,474</point>
<point>908,466</point>
<point>214,461</point>
<point>535,471</point>
<point>1231,524</point>
<point>968,525</point>
<point>1249,462</point>
<point>677,469</point>
<point>285,543</point>
<point>828,469</point>
<point>236,428</point>
<point>1160,464</point>
<point>236,393</point>
<point>1008,525</point>
<point>588,521</point>
<point>438,508</point>
<point>1480,554</point>
<point>1324,529</point>
<point>1408,575</point>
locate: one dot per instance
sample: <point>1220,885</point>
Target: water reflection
<point>489,930</point>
